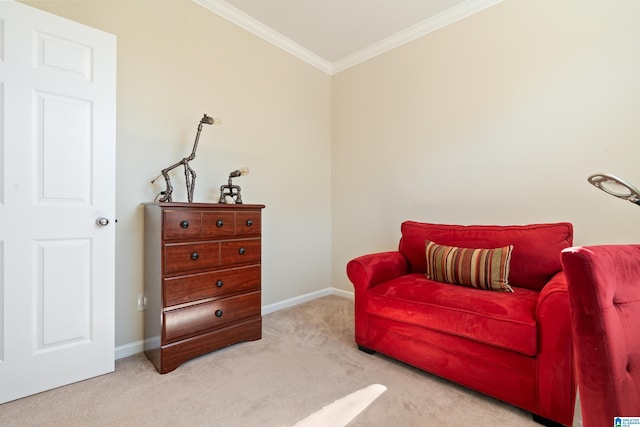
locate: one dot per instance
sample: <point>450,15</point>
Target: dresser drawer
<point>182,224</point>
<point>248,223</point>
<point>236,252</point>
<point>218,224</point>
<point>191,320</point>
<point>191,257</point>
<point>180,290</point>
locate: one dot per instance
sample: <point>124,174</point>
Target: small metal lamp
<point>615,186</point>
<point>230,190</point>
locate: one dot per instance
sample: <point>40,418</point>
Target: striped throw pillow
<point>477,268</point>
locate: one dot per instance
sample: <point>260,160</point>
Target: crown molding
<point>430,25</point>
<point>254,26</point>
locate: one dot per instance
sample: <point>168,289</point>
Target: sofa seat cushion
<point>505,320</point>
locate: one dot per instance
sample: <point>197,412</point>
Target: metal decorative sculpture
<point>230,190</point>
<point>189,173</point>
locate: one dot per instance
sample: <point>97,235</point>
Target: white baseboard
<point>138,346</point>
<point>342,293</point>
<point>129,349</point>
<point>291,302</point>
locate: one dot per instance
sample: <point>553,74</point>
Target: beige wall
<point>176,61</point>
<point>496,119</point>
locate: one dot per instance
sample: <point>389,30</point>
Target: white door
<point>57,177</point>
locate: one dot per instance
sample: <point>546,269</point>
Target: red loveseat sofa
<point>515,346</point>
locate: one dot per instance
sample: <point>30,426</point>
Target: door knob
<point>102,221</point>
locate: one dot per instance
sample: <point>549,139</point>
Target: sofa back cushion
<point>536,247</point>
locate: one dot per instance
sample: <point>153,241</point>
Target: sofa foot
<point>365,349</point>
<point>546,422</point>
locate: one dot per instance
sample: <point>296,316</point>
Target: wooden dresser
<point>201,279</point>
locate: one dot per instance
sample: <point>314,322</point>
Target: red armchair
<point>515,347</point>
<point>604,293</point>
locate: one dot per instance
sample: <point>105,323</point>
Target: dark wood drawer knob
<point>195,256</point>
<point>184,224</point>
<point>249,223</point>
<point>241,251</point>
<point>219,223</point>
<point>219,283</point>
<point>218,313</point>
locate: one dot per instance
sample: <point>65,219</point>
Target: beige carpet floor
<point>305,360</point>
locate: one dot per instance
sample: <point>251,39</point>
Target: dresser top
<point>203,205</point>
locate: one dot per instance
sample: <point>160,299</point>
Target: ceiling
<point>336,34</point>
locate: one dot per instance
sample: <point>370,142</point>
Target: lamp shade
<point>615,186</point>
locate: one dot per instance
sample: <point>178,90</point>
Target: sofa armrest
<point>555,288</point>
<point>555,347</point>
<point>366,272</point>
<point>370,270</point>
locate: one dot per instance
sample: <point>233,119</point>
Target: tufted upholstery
<point>604,295</point>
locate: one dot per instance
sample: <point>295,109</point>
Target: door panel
<point>63,56</point>
<point>57,176</point>
<point>2,336</point>
<point>62,294</point>
<point>64,149</point>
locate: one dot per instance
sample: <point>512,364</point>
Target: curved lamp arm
<point>615,186</point>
